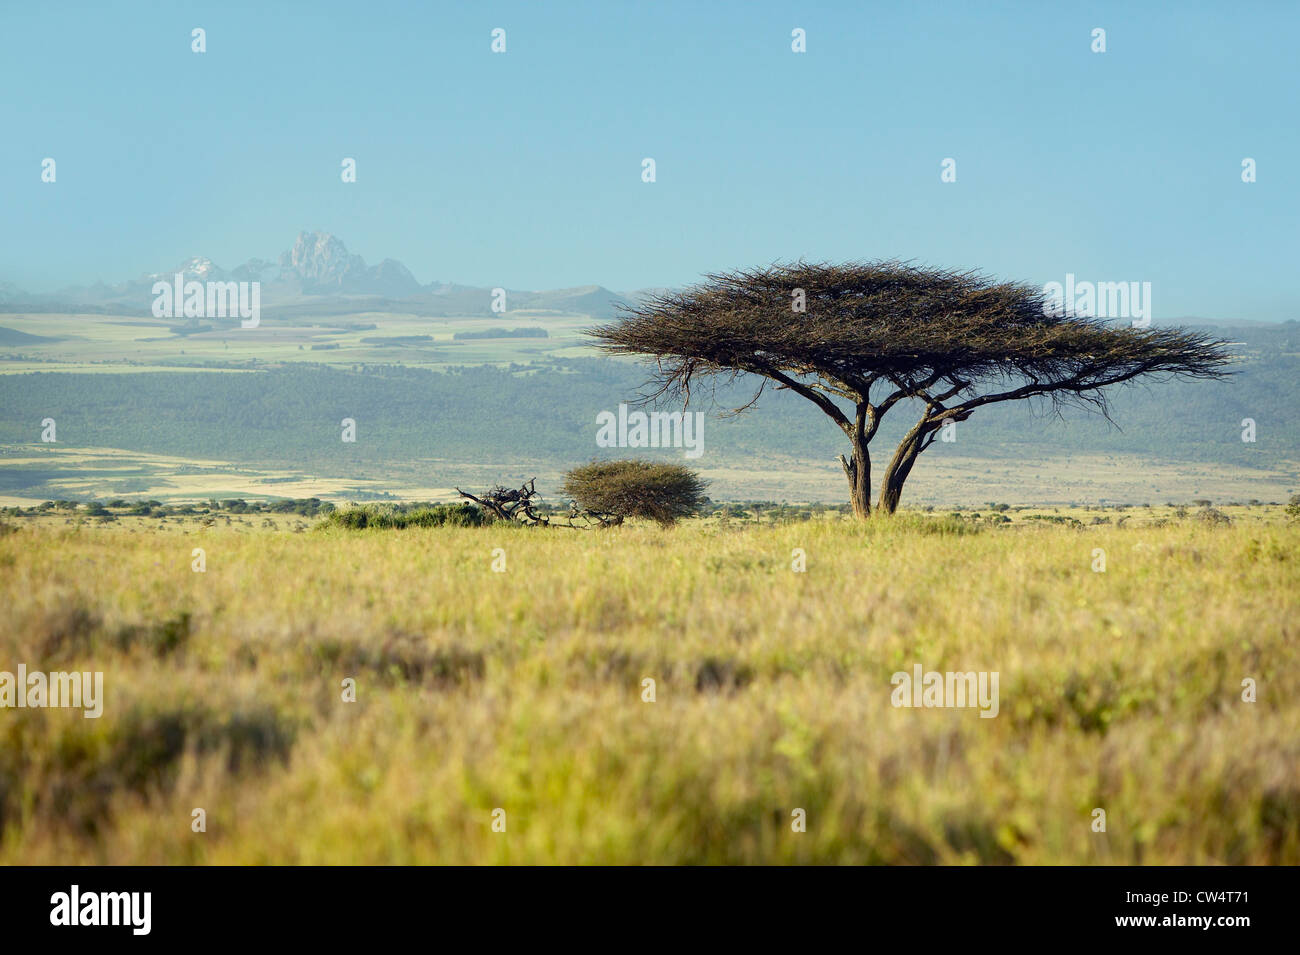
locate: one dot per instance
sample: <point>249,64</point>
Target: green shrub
<point>396,517</point>
<point>620,489</point>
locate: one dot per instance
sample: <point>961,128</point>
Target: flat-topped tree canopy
<point>876,333</point>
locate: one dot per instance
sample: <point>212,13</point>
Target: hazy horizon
<point>49,295</point>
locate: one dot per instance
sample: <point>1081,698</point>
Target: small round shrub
<point>616,490</point>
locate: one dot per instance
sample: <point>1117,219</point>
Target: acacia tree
<point>859,339</point>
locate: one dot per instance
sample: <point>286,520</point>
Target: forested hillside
<point>291,415</point>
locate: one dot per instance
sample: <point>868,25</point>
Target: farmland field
<point>521,689</point>
<point>125,344</point>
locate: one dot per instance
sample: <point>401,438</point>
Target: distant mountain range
<point>319,275</point>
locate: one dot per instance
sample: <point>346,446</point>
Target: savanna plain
<point>505,668</point>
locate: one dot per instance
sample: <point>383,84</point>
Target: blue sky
<point>523,169</point>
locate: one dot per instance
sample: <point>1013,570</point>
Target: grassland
<point>33,473</point>
<point>523,690</point>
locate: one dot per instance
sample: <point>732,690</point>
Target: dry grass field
<point>521,689</point>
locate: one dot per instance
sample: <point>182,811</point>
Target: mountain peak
<point>199,268</point>
<point>322,262</point>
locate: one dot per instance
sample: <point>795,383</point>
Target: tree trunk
<point>899,467</point>
<point>858,471</point>
<point>891,491</point>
